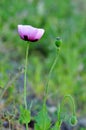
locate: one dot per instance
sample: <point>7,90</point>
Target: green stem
<point>25,77</point>
<point>25,81</point>
<point>62,106</point>
<point>49,76</point>
<point>72,103</point>
<point>26,126</point>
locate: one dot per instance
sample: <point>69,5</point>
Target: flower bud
<point>58,42</point>
<point>73,120</point>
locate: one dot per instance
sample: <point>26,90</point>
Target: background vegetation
<point>64,18</point>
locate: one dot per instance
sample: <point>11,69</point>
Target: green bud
<point>73,120</point>
<point>58,42</point>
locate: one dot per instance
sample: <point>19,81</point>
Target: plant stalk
<point>25,81</point>
<point>62,106</point>
<point>49,76</point>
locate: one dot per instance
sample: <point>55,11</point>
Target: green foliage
<point>56,126</point>
<point>82,128</point>
<point>25,116</point>
<point>42,119</point>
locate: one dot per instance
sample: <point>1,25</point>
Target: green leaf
<point>36,127</point>
<point>24,115</point>
<point>42,120</point>
<point>56,126</point>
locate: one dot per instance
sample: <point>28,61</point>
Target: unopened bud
<point>58,42</point>
<point>73,120</point>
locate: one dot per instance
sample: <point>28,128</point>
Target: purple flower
<point>29,33</point>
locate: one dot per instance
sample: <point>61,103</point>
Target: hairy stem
<point>25,81</point>
<point>72,103</point>
<point>69,97</point>
<point>49,76</point>
<point>25,77</point>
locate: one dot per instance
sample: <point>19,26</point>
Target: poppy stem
<point>61,106</point>
<point>49,76</point>
<point>70,98</point>
<point>25,77</point>
<point>25,80</point>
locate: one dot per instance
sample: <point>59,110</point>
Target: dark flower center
<point>26,38</point>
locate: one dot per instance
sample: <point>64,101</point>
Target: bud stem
<point>49,76</point>
<point>62,106</point>
<point>72,102</point>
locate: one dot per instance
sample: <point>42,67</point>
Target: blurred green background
<point>64,18</point>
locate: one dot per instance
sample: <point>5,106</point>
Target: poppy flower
<point>29,33</point>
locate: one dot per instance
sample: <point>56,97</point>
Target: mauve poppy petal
<point>20,31</point>
<point>39,34</point>
<point>29,33</point>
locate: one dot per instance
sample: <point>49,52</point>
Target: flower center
<point>28,39</point>
<point>25,38</point>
